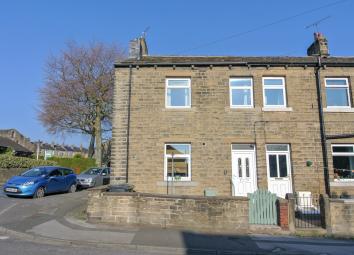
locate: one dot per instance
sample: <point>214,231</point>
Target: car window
<point>105,171</point>
<point>67,171</point>
<point>93,171</point>
<point>55,172</point>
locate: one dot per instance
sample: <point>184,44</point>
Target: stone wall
<point>7,173</point>
<point>340,220</point>
<point>215,214</point>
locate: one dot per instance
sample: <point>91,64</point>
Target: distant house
<point>15,136</point>
<point>18,150</point>
<point>22,146</point>
<point>62,151</point>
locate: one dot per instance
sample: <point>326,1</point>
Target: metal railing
<point>307,210</point>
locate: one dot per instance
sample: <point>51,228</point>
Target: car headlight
<point>28,183</point>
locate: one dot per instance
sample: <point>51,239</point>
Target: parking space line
<point>7,208</point>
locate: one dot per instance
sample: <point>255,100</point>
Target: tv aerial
<point>316,23</point>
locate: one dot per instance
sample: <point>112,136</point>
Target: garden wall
<point>216,214</point>
<point>340,220</point>
<point>6,173</point>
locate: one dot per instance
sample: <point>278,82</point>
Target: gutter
<point>230,63</point>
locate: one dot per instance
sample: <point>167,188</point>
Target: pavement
<point>53,223</point>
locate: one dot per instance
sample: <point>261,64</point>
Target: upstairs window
<point>178,162</point>
<point>274,92</point>
<point>241,93</point>
<point>178,93</point>
<point>337,92</point>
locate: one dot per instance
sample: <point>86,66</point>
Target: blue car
<point>39,181</point>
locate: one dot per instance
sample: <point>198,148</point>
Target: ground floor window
<point>177,162</point>
<point>343,161</point>
<point>278,161</point>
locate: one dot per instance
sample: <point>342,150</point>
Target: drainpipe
<point>322,125</point>
<point>128,124</point>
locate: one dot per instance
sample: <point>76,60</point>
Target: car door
<point>105,176</point>
<point>56,182</point>
<point>70,178</point>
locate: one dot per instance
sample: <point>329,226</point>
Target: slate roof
<point>233,60</point>
<point>8,143</point>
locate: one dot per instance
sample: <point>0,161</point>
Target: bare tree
<point>78,93</point>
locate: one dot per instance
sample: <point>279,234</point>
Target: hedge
<point>78,164</point>
<point>9,161</point>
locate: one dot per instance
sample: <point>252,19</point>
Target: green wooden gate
<point>262,208</point>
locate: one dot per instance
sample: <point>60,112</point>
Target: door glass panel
<point>247,167</point>
<point>243,147</point>
<point>239,163</point>
<point>273,166</point>
<point>283,166</point>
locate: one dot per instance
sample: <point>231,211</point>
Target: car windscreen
<point>92,171</point>
<point>35,172</point>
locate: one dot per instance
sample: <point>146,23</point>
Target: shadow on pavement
<point>197,244</point>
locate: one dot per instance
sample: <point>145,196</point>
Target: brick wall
<point>210,126</point>
<point>283,214</point>
<point>341,217</point>
<point>225,214</point>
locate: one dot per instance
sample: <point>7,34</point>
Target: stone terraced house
<point>223,125</point>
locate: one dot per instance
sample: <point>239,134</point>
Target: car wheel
<point>39,193</point>
<point>72,188</point>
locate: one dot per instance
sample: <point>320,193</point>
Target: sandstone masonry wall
<point>224,214</point>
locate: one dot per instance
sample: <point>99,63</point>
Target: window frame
<point>277,154</point>
<point>250,87</point>
<point>343,154</point>
<point>167,86</point>
<point>338,86</point>
<point>188,156</point>
<point>274,87</point>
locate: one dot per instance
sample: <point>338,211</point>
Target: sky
<point>31,31</point>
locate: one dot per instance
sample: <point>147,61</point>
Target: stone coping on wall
<point>342,200</point>
<point>105,192</point>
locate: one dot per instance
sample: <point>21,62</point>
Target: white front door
<point>244,178</point>
<point>279,169</point>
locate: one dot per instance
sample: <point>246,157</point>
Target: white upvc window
<point>274,94</point>
<point>178,93</point>
<point>337,93</point>
<point>241,92</point>
<point>278,160</point>
<point>343,162</point>
<point>177,162</point>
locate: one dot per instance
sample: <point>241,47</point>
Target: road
<point>41,226</point>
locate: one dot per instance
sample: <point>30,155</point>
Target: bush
<point>78,164</point>
<point>8,161</point>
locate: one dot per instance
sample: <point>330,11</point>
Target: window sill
<point>177,184</point>
<point>342,183</point>
<point>338,109</point>
<point>276,109</point>
<point>185,109</point>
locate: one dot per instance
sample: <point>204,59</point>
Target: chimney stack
<point>138,48</point>
<point>319,47</point>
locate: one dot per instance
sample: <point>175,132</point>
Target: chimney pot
<point>319,47</point>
